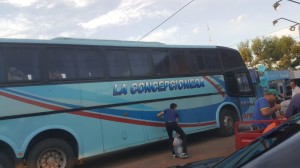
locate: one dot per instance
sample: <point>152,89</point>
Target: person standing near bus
<point>171,118</point>
<point>295,88</point>
<point>264,108</point>
<point>294,106</point>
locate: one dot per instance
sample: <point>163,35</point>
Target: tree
<point>246,53</point>
<point>291,49</point>
<point>296,52</point>
<point>273,52</point>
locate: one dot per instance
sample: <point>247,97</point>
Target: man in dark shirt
<point>294,106</point>
<point>171,118</point>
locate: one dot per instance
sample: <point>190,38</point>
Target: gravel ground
<point>201,146</point>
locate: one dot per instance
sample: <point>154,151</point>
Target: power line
<point>265,35</point>
<point>165,20</point>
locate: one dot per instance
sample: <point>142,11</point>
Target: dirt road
<point>201,146</point>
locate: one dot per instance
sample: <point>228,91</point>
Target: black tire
<point>51,153</point>
<point>227,121</point>
<point>5,161</point>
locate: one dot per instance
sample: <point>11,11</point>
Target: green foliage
<point>273,52</point>
<point>246,53</point>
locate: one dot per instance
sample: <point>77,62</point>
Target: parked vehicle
<point>66,100</point>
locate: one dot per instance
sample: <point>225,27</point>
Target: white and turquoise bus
<point>64,100</point>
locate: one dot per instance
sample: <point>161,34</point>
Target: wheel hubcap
<point>52,158</point>
<point>228,122</point>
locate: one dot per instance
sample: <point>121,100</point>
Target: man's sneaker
<point>184,155</point>
<point>174,156</point>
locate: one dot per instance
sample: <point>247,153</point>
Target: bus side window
<point>161,62</point>
<point>22,63</point>
<point>231,59</point>
<point>55,75</point>
<point>15,74</point>
<point>117,63</point>
<point>140,64</point>
<point>179,62</point>
<point>90,64</point>
<point>197,61</point>
<point>61,63</point>
<point>212,60</point>
<point>243,83</point>
<point>231,84</point>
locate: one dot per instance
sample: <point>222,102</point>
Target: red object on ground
<point>243,138</point>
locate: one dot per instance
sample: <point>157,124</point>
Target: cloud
<point>237,20</point>
<point>196,30</point>
<point>47,4</point>
<point>161,35</point>
<point>19,3</point>
<point>64,3</point>
<point>67,34</point>
<point>14,28</point>
<point>129,11</point>
<point>80,3</point>
<point>116,17</point>
<point>135,3</point>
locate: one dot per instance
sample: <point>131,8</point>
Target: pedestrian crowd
<point>265,107</point>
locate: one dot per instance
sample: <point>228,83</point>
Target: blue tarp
<point>278,75</point>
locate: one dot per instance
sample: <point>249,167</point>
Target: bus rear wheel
<point>51,153</point>
<point>227,120</point>
<point>5,161</point>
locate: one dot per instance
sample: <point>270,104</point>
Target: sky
<point>201,22</point>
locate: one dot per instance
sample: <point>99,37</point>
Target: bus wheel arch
<point>227,117</point>
<point>7,156</point>
<point>62,139</point>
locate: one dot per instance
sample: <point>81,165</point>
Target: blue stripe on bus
<point>40,99</point>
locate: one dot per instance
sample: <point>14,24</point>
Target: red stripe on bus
<point>113,118</point>
<point>21,99</point>
<point>137,122</point>
<point>214,85</point>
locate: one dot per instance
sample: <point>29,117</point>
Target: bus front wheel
<point>5,161</point>
<point>227,121</point>
<point>51,153</point>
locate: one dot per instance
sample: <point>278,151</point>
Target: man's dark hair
<point>173,106</point>
<point>292,80</point>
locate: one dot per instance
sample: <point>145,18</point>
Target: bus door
<point>240,88</point>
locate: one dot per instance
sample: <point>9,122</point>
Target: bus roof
<point>99,42</point>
